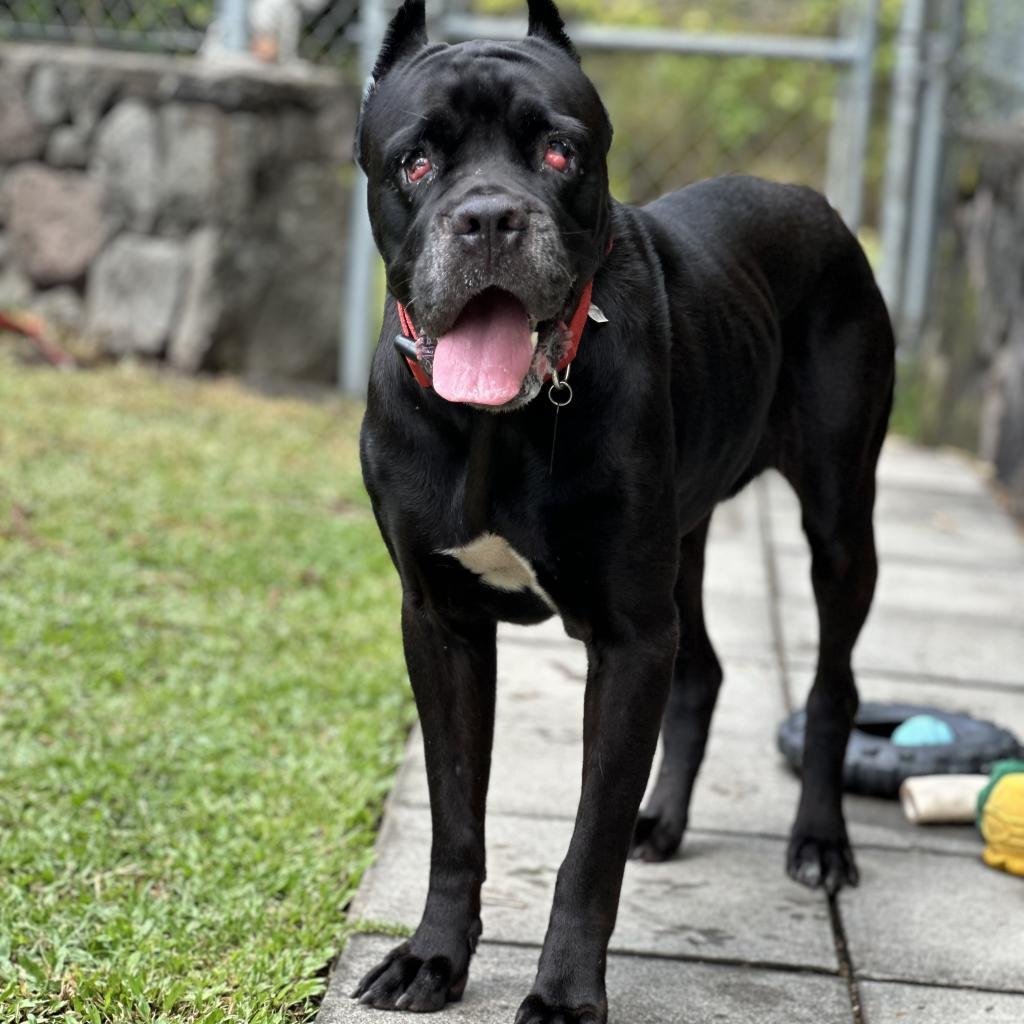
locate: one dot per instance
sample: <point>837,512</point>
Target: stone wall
<point>177,209</point>
<point>972,364</point>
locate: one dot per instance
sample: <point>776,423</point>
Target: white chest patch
<point>499,565</point>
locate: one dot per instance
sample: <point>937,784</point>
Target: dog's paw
<point>656,836</point>
<point>404,981</point>
<point>821,863</point>
<point>536,1010</point>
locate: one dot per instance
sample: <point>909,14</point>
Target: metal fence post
<point>848,142</point>
<point>837,163</point>
<point>355,341</point>
<point>234,17</point>
<point>899,163</point>
<point>942,46</point>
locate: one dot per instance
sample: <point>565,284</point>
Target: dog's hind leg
<point>841,405</point>
<point>696,679</point>
<point>452,667</point>
<point>843,573</point>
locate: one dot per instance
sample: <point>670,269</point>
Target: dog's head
<point>488,195</point>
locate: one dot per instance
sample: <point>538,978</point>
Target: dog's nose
<point>491,222</point>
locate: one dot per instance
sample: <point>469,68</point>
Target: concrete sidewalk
<point>932,936</point>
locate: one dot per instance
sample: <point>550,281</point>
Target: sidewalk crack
<point>846,971</point>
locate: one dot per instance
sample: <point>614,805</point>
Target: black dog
<point>735,326</point>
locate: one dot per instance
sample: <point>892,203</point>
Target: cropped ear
<point>406,34</point>
<point>545,21</point>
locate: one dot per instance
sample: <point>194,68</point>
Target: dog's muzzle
<point>488,359</point>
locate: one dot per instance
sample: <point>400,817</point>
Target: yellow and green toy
<point>1001,817</point>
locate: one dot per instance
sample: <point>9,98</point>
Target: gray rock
<point>299,135</point>
<point>95,77</point>
<point>56,222</point>
<point>334,130</point>
<point>184,148</point>
<point>5,245</point>
<point>250,142</point>
<point>15,288</point>
<point>68,146</point>
<point>290,325</point>
<point>189,180</point>
<point>126,161</point>
<point>203,304</point>
<point>61,307</point>
<point>47,95</point>
<point>21,138</point>
<point>134,292</point>
<point>91,94</point>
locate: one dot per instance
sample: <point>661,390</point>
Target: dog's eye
<point>417,167</point>
<point>558,155</point>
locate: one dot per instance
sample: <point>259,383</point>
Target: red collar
<point>576,326</point>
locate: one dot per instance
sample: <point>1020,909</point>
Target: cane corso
<point>564,389</point>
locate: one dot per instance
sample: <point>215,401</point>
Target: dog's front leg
<point>627,686</point>
<point>452,667</point>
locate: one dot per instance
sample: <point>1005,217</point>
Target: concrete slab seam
<point>893,979</point>
<point>775,966</point>
<point>846,968</point>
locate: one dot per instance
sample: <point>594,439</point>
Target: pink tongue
<point>485,356</point>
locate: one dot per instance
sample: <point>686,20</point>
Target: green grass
<point>202,698</point>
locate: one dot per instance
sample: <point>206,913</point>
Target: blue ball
<point>923,731</point>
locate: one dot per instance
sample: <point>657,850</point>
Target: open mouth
<point>487,354</point>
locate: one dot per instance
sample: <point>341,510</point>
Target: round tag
<point>560,395</point>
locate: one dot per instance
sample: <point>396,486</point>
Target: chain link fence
<point>151,25</point>
<point>313,30</point>
<point>683,113</point>
<point>696,128</point>
<point>711,113</point>
<point>683,116</point>
<point>329,31</point>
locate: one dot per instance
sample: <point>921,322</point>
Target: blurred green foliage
<point>683,118</point>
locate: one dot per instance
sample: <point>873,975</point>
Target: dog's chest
<point>498,566</point>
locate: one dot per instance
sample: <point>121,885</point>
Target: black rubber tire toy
<point>875,766</point>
